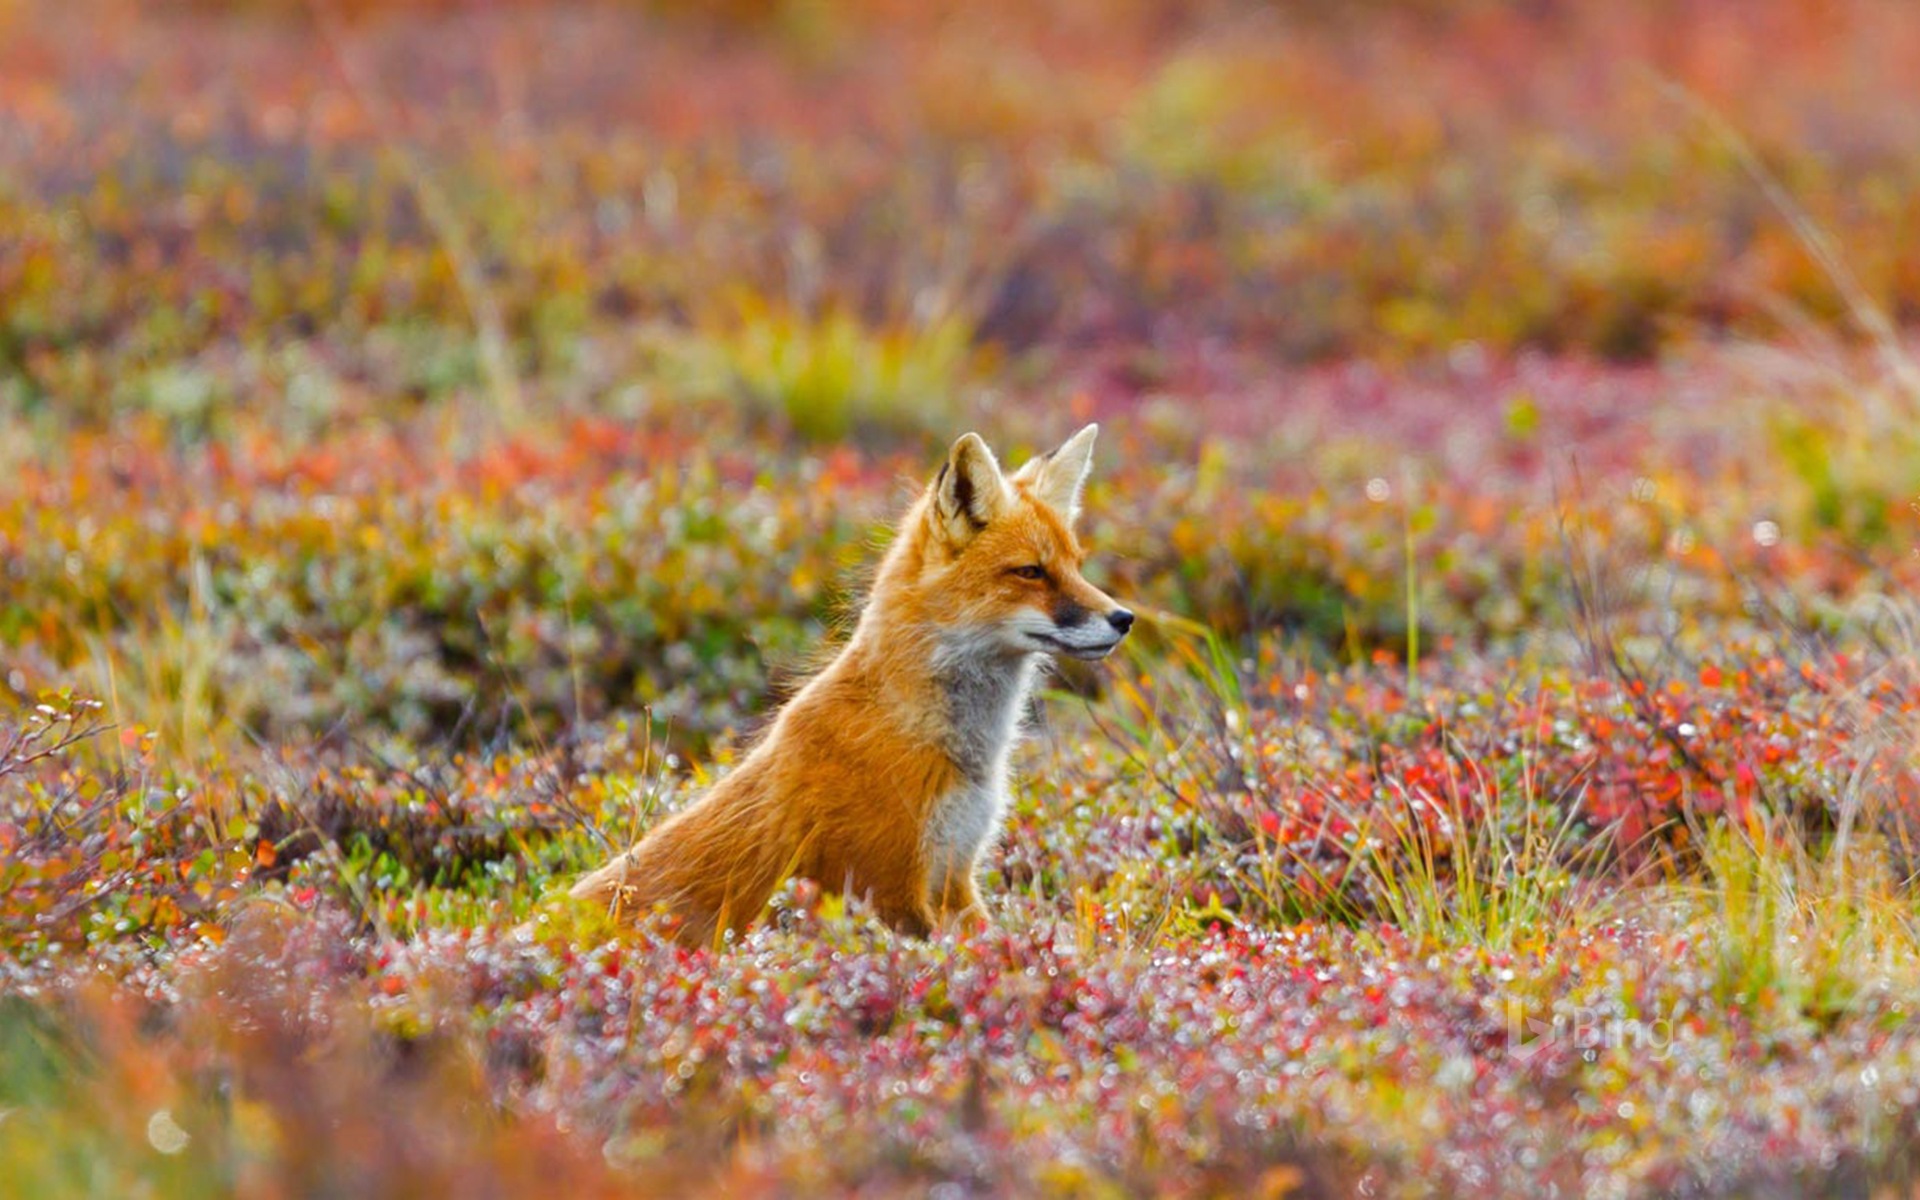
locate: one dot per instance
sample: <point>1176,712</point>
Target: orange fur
<point>885,776</point>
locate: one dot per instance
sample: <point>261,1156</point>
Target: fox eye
<point>1033,571</point>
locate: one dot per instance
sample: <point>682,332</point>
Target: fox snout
<point>1085,632</point>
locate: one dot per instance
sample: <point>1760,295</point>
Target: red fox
<point>885,776</point>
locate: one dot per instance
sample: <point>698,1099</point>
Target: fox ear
<point>969,492</point>
<point>1058,477</point>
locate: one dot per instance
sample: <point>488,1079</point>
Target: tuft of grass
<point>1886,726</point>
<point>1823,927</point>
<point>1851,450</point>
<point>832,376</point>
<point>1796,930</point>
<point>1491,860</point>
<point>172,674</point>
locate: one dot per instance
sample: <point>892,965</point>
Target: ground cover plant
<point>432,436</point>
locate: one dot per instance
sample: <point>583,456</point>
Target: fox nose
<point>1120,619</point>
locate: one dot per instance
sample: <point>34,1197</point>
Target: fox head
<point>993,557</point>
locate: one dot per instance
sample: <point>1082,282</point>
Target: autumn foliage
<point>433,434</point>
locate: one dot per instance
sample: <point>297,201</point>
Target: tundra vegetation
<point>433,434</point>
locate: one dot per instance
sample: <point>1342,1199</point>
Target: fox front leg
<point>959,905</point>
<point>916,920</point>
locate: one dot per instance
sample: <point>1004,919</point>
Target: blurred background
<point>851,213</point>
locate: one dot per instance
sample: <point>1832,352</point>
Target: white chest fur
<point>964,822</point>
<point>986,694</point>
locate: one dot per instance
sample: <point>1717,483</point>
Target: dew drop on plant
<point>1378,490</point>
<point>1766,533</point>
<point>164,1133</point>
